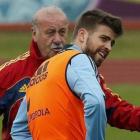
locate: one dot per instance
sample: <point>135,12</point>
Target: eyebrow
<point>63,28</point>
<point>106,37</point>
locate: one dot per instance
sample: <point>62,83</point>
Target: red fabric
<point>120,113</point>
<point>11,73</point>
<point>15,71</point>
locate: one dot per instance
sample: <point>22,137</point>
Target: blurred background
<point>121,69</point>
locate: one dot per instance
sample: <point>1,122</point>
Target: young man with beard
<point>69,102</point>
<point>55,116</point>
<point>49,32</point>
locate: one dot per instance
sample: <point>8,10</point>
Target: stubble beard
<point>91,53</point>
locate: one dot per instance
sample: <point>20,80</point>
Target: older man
<point>49,32</point>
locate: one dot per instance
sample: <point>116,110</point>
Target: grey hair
<point>49,10</point>
<point>33,23</point>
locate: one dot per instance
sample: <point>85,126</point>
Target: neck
<point>77,43</point>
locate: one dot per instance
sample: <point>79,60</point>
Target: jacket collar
<point>34,52</point>
<point>72,46</point>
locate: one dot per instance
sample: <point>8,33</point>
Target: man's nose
<point>108,46</point>
<point>57,38</point>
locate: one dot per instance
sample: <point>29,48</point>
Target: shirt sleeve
<point>83,81</point>
<point>20,129</point>
<point>120,113</point>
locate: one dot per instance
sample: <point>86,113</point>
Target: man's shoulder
<point>14,63</point>
<point>13,69</point>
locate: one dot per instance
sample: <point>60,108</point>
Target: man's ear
<point>82,34</point>
<point>34,34</point>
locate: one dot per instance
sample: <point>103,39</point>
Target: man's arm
<point>120,113</point>
<point>3,88</point>
<point>20,129</point>
<point>82,79</point>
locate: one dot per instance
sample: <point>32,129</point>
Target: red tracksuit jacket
<point>120,113</point>
<point>15,75</point>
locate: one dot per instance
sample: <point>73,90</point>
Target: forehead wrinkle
<point>45,14</point>
<point>52,20</point>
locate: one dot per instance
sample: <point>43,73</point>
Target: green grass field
<point>127,47</point>
<point>15,43</point>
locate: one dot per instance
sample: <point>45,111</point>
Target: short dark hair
<point>90,19</point>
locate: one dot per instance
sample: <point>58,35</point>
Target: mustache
<point>56,46</point>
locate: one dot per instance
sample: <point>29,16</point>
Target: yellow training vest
<point>54,112</point>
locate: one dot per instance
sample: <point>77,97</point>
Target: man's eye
<point>103,39</point>
<point>49,33</point>
<point>62,32</point>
